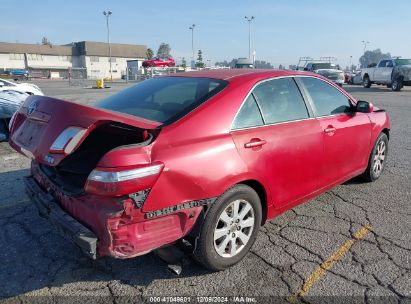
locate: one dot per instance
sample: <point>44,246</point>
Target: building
<point>60,61</point>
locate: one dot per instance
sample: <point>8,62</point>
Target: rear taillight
<point>117,182</point>
<point>68,140</point>
<point>12,120</point>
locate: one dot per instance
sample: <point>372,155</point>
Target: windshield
<point>163,99</point>
<point>328,72</point>
<point>402,61</point>
<point>324,65</point>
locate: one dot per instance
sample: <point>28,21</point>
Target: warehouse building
<point>60,61</point>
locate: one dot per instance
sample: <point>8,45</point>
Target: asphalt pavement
<point>349,245</point>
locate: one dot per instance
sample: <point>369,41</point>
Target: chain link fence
<point>78,77</point>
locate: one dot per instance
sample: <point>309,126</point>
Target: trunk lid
<point>42,119</point>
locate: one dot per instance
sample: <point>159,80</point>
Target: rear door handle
<point>256,143</point>
<point>330,129</point>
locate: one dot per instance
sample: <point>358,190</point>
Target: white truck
<point>394,73</point>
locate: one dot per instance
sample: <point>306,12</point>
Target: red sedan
<point>206,156</point>
<point>159,62</point>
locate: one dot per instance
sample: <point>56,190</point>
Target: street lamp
<point>350,63</point>
<point>365,44</point>
<point>192,38</point>
<point>107,14</point>
<point>249,19</point>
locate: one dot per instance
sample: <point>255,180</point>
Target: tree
<point>149,53</point>
<point>373,57</point>
<point>164,50</point>
<point>225,63</point>
<point>183,62</point>
<point>45,41</point>
<point>200,64</point>
<point>261,64</point>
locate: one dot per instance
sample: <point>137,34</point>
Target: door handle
<point>255,143</point>
<point>330,129</point>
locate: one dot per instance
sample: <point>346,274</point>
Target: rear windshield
<point>163,99</point>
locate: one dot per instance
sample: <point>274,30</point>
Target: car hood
<point>326,72</point>
<point>29,87</point>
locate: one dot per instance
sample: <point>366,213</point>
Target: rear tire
<point>377,160</point>
<point>366,82</point>
<point>230,228</point>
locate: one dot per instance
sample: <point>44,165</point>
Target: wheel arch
<point>386,131</point>
<point>262,194</point>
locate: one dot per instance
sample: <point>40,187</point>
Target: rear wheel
<point>230,228</point>
<point>377,160</point>
<point>366,82</point>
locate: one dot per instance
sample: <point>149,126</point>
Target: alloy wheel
<point>379,158</point>
<point>234,228</point>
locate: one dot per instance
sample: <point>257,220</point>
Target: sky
<point>282,31</point>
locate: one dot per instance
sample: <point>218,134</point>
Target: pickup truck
<point>394,73</point>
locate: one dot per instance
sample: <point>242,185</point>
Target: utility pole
<point>365,44</point>
<point>107,14</point>
<point>249,19</point>
<point>192,39</point>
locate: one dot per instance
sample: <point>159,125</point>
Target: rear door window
<point>280,100</point>
<point>249,115</point>
<point>163,99</point>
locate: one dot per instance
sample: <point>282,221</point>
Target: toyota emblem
<point>32,107</point>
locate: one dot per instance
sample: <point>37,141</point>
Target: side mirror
<point>364,106</point>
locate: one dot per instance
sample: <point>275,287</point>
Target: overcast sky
<point>282,31</point>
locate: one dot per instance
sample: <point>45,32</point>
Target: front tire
<point>377,160</point>
<point>396,84</point>
<point>367,82</point>
<point>230,228</point>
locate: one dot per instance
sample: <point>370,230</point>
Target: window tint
<point>249,115</point>
<point>163,99</point>
<point>382,63</point>
<point>280,100</point>
<point>327,99</point>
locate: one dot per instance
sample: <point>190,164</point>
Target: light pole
<point>350,63</point>
<point>249,19</point>
<point>107,14</point>
<point>365,45</point>
<point>192,39</point>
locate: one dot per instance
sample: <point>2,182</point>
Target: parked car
<point>394,73</point>
<point>337,76</point>
<point>17,74</point>
<point>10,101</point>
<point>356,77</point>
<point>205,156</point>
<point>28,88</point>
<point>159,62</point>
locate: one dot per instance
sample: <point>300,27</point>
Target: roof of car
<point>229,74</point>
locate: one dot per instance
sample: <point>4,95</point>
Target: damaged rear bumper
<point>65,224</point>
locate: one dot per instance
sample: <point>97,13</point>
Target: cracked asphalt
<point>37,265</point>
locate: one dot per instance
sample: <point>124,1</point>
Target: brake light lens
<point>68,140</point>
<point>117,182</point>
<point>12,120</point>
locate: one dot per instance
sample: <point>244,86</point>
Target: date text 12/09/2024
<point>202,299</point>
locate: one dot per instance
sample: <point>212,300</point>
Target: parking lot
<point>351,244</point>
